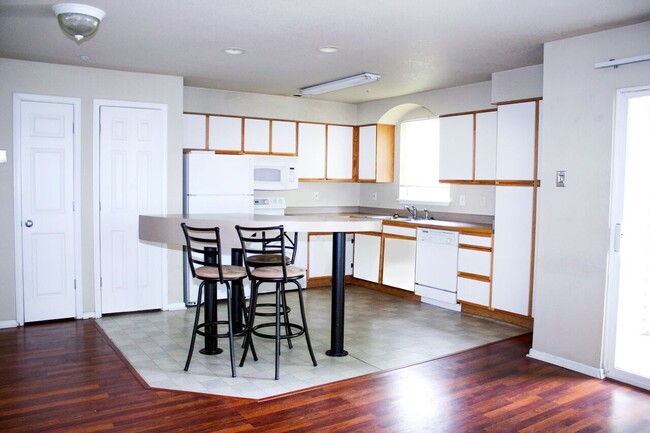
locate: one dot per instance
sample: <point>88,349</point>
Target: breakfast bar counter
<point>167,229</point>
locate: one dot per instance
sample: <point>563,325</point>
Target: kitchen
<point>558,312</point>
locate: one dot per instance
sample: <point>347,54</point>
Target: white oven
<point>275,173</point>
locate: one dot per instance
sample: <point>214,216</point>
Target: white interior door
<point>628,319</point>
<point>47,210</point>
<point>131,172</point>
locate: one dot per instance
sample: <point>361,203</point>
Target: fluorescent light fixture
<point>343,83</point>
<point>614,63</point>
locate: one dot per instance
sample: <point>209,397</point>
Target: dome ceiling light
<point>78,21</point>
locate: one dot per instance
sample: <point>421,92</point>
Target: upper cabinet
<point>517,133</point>
<point>312,145</point>
<point>284,137</point>
<point>194,131</point>
<point>340,152</point>
<point>376,153</point>
<point>468,147</point>
<point>257,136</point>
<point>225,134</point>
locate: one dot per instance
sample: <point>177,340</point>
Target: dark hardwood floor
<point>66,377</point>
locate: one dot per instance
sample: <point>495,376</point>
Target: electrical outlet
<point>374,196</point>
<point>560,179</point>
<point>483,201</point>
<point>316,196</point>
<point>461,200</point>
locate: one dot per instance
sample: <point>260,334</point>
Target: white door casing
<point>46,189</point>
<point>131,182</point>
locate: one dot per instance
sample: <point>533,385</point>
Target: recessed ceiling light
<point>234,51</point>
<point>84,57</point>
<point>329,49</point>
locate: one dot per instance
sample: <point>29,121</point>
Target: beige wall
<point>573,222</point>
<point>86,84</point>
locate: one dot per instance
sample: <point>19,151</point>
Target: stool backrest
<point>266,240</point>
<point>203,248</point>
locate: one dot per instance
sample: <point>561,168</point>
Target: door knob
<point>29,223</point>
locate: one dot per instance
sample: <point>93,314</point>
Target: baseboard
<point>88,315</point>
<point>598,373</point>
<point>176,306</point>
<point>8,324</point>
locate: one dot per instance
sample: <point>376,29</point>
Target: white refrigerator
<point>215,184</point>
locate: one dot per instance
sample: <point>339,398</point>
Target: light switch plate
<point>3,156</point>
<point>560,178</point>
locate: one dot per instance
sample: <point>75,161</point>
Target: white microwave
<point>275,173</point>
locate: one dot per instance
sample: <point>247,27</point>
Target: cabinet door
<point>339,152</point>
<point>194,131</point>
<point>399,263</point>
<point>474,291</point>
<point>225,133</point>
<point>486,146</point>
<point>320,255</point>
<point>257,135</point>
<point>311,151</point>
<point>283,137</point>
<point>367,152</point>
<point>513,220</point>
<point>516,141</point>
<point>457,147</point>
<point>474,261</point>
<point>367,249</point>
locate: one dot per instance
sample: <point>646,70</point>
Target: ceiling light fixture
<point>343,83</point>
<point>78,21</point>
<point>234,51</point>
<point>329,49</point>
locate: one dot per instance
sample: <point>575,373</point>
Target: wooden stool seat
<point>230,272</point>
<point>267,260</point>
<point>276,272</point>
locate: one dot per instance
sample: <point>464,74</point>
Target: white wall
<point>516,84</point>
<point>289,108</point>
<point>573,222</point>
<point>86,84</point>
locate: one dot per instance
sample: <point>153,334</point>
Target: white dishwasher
<point>436,267</point>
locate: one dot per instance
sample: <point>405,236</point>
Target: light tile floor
<point>382,332</point>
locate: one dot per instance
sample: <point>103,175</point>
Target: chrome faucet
<point>413,211</point>
<point>426,214</point>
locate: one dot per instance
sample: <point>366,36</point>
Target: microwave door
<point>268,178</point>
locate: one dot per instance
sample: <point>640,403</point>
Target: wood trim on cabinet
<point>517,182</point>
<point>504,316</point>
<point>475,247</point>
<point>207,133</point>
<point>326,281</point>
<point>477,277</point>
<point>385,153</point>
<point>394,236</point>
<point>467,182</point>
<point>355,154</point>
<point>519,101</point>
<point>473,146</point>
<point>385,289</point>
<point>487,110</point>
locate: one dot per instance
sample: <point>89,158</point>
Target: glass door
<point>627,355</point>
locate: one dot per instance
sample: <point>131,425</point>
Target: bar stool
<point>204,256</point>
<point>252,245</point>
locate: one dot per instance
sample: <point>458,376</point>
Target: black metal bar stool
<point>204,256</point>
<point>253,245</point>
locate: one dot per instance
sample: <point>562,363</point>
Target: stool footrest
<point>300,330</point>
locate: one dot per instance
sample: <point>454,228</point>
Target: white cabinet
<point>367,251</point>
<point>516,133</point>
<point>511,272</point>
<point>376,153</point>
<point>468,146</point>
<point>473,291</point>
<point>257,134</point>
<point>486,146</point>
<point>225,134</point>
<point>399,263</point>
<point>339,152</point>
<point>457,147</point>
<point>311,151</point>
<point>474,269</point>
<point>475,262</point>
<point>283,137</point>
<point>367,152</point>
<point>194,131</point>
<point>320,255</point>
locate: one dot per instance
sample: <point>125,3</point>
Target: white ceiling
<point>416,45</point>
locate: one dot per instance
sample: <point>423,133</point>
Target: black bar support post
<point>210,306</point>
<point>338,295</point>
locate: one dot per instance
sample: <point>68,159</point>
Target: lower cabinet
<point>320,255</point>
<point>367,252</point>
<point>474,269</point>
<point>399,263</point>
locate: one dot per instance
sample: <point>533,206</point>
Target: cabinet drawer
<point>479,241</point>
<point>474,261</point>
<point>401,231</point>
<point>474,291</point>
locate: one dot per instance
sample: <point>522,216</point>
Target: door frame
<point>97,105</point>
<point>18,98</point>
<point>619,151</point>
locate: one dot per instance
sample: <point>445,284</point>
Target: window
<point>418,168</point>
